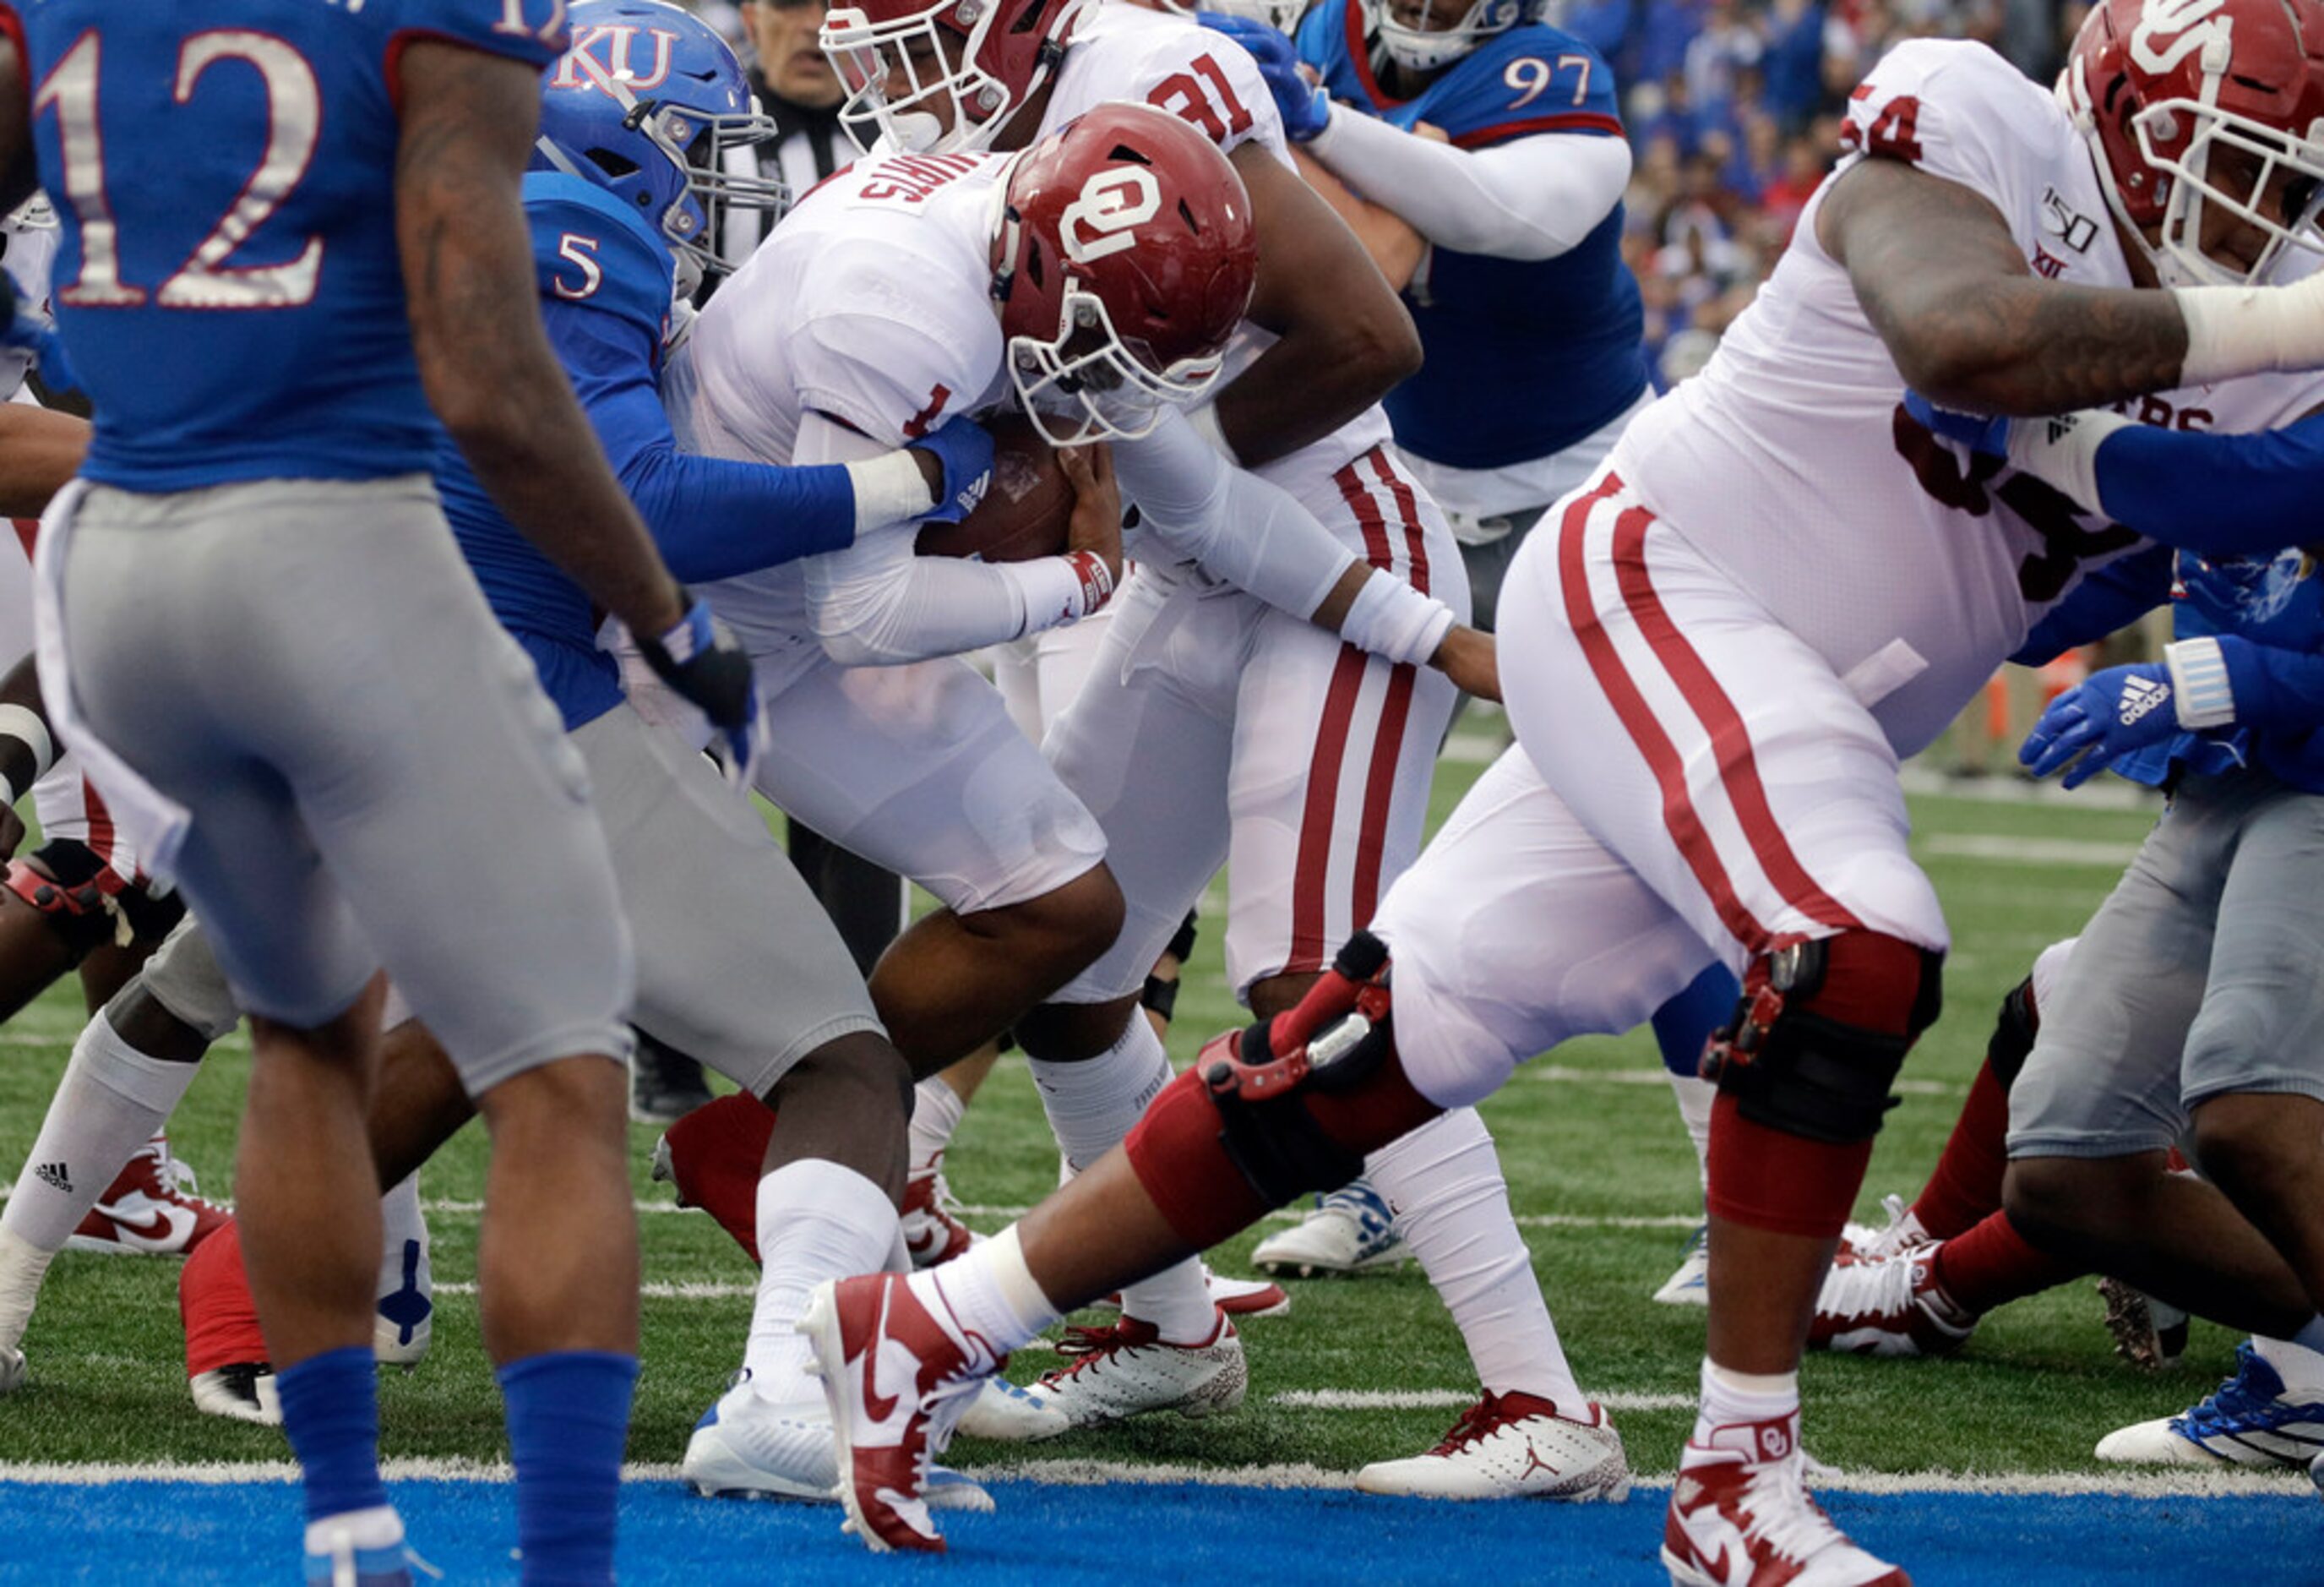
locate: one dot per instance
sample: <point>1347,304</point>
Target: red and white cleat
<point>1893,1306</point>
<point>151,1208</point>
<point>1861,1243</point>
<point>933,1232</point>
<point>897,1379</point>
<point>1513,1446</point>
<point>1740,1516</point>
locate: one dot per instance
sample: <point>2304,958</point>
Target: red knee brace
<point>716,1153</point>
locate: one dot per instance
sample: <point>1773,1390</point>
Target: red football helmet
<point>1124,261</point>
<point>2161,88</point>
<point>979,58</point>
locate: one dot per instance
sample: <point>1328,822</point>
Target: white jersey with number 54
<point>1791,463</point>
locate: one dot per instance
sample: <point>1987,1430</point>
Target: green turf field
<point>1592,1136</point>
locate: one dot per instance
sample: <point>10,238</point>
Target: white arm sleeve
<point>1534,198</point>
<point>879,603</point>
<point>1254,535</point>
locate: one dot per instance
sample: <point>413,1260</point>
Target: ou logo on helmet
<point>2154,48</point>
<point>1112,202</point>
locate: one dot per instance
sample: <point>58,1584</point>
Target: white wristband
<point>1389,618</point>
<point>2063,451</point>
<point>2234,331</point>
<point>2199,680</point>
<point>18,722</point>
<point>1059,589</point>
<point>888,489</point>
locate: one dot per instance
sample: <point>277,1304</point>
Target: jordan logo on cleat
<point>57,1175</point>
<point>1533,1463</point>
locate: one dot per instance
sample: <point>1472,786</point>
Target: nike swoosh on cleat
<point>161,1229</point>
<point>879,1407</point>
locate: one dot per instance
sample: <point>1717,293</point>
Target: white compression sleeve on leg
<point>110,1101</point>
<point>1452,1205</point>
<point>1091,1105</point>
<point>817,1221</point>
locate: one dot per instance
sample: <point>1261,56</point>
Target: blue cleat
<point>2252,1419</point>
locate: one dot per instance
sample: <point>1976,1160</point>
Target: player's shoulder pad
<point>590,248</point>
<point>531,31</point>
<point>1530,79</point>
<point>1955,109</point>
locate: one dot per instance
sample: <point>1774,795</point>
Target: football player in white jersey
<point>1780,583</point>
<point>1096,280</point>
<point>1215,731</point>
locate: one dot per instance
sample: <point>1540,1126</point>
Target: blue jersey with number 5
<point>1523,357</point>
<point>227,284</point>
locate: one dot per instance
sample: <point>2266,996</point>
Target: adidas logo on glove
<point>2139,696</point>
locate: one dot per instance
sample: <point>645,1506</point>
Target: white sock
<point>403,1243</point>
<point>2295,1361</point>
<point>990,1293</point>
<point>110,1101</point>
<point>1452,1205</point>
<point>1695,1095</point>
<point>1730,1397</point>
<point>1091,1105</point>
<point>817,1221</point>
<point>22,1268</point>
<point>936,1109</point>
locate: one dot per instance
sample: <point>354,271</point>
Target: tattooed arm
<point>468,121</point>
<point>1968,325</point>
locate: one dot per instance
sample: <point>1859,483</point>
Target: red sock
<point>213,1299</point>
<point>1966,1186</point>
<point>715,1152</point>
<point>1992,1264</point>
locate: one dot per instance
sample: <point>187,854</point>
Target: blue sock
<point>568,1421</point>
<point>1685,1022</point>
<point>330,1410</point>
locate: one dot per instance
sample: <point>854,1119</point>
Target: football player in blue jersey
<point>257,631</point>
<point>734,961</point>
<point>1499,139</point>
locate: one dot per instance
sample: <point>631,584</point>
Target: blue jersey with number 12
<point>227,284</point>
<point>1523,357</point>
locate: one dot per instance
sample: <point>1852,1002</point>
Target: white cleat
<point>1741,1516</point>
<point>747,1446</point>
<point>1691,1285</point>
<point>1126,1369</point>
<point>1011,1415</point>
<point>2251,1420</point>
<point>12,1368</point>
<point>245,1391</point>
<point>1350,1230</point>
<point>1513,1446</point>
<point>403,1318</point>
<point>2148,1333</point>
<point>1862,1243</point>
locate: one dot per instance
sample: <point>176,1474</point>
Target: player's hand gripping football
<point>1306,108</point>
<point>2111,714</point>
<point>1096,524</point>
<point>700,657</point>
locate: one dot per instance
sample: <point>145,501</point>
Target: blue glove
<point>701,658</point>
<point>27,335</point>
<point>1973,430</point>
<point>1306,108</point>
<point>963,450</point>
<point>2112,713</point>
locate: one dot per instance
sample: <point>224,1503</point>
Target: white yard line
<point>2098,853</point>
<point>1417,1399</point>
<point>2160,1484</point>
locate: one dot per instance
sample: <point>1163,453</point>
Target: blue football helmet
<point>647,104</point>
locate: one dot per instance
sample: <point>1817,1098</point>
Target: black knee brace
<point>2011,1041</point>
<point>85,904</point>
<point>1265,1126</point>
<point>1791,1069</point>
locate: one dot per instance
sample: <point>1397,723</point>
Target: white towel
<point>154,823</point>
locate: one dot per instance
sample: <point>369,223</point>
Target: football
<point>1027,507</point>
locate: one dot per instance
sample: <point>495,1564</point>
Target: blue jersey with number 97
<point>227,284</point>
<point>1526,357</point>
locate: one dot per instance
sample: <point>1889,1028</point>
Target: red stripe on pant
<point>1739,766</point>
<point>1638,718</point>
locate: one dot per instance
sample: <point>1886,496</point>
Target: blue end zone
<point>192,1535</point>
